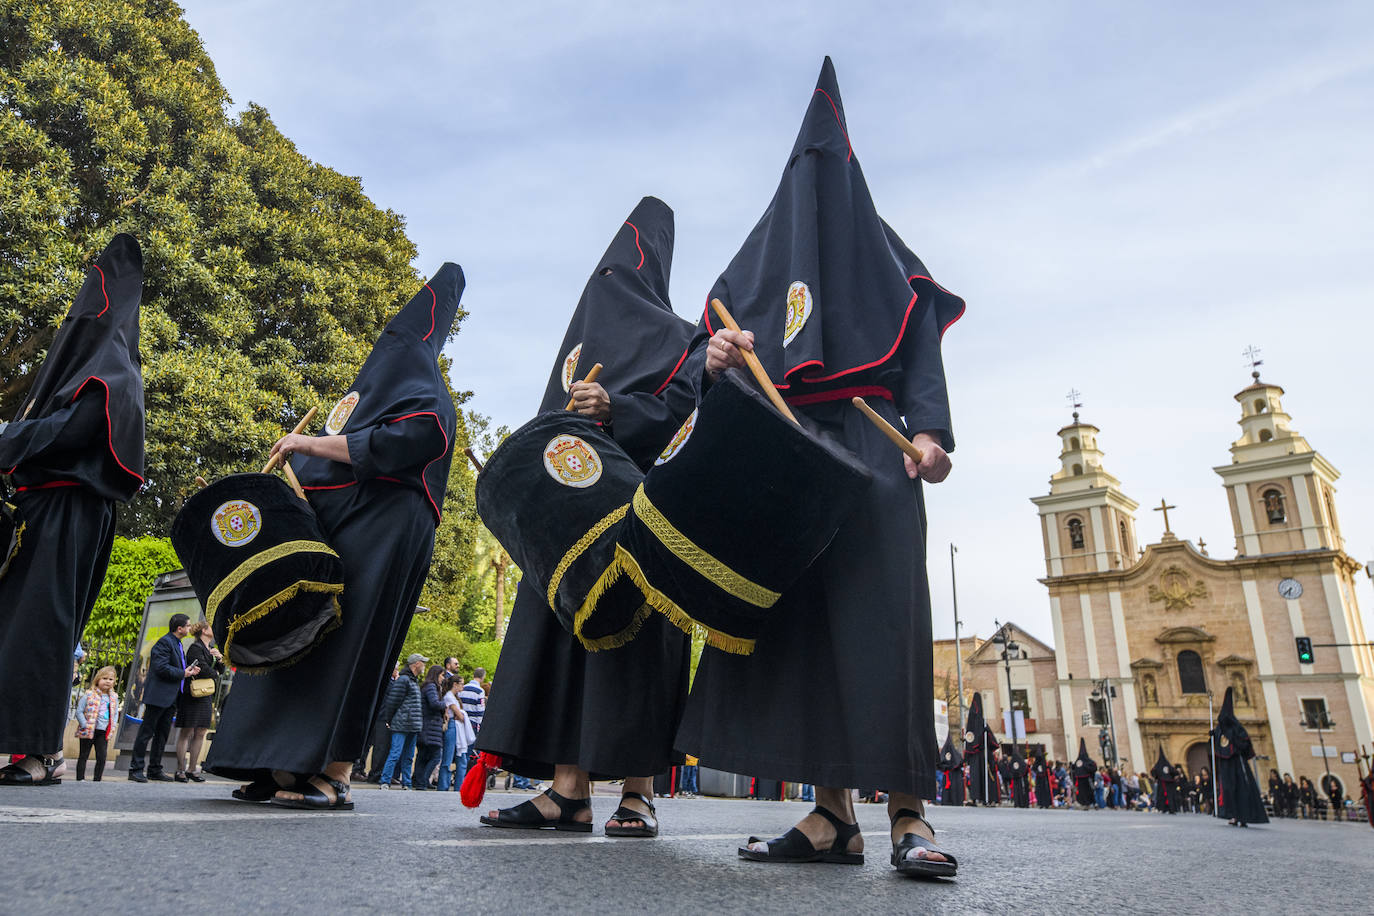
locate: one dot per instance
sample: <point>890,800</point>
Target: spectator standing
<point>402,713</point>
<point>450,672</point>
<point>379,742</point>
<point>687,780</point>
<point>167,674</point>
<point>1099,783</point>
<point>456,732</point>
<point>195,713</point>
<point>1290,796</point>
<point>431,738</point>
<point>474,698</point>
<point>98,712</point>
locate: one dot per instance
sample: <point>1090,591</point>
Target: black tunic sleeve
<point>80,425</point>
<point>643,423</point>
<point>921,395</point>
<point>396,448</point>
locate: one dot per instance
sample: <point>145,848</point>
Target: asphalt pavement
<point>173,848</point>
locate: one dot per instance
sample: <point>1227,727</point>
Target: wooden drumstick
<point>889,430</point>
<point>291,479</point>
<point>752,361</point>
<point>200,482</point>
<point>272,462</point>
<point>472,456</point>
<point>591,377</point>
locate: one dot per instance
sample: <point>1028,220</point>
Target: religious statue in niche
<point>1241,691</point>
<point>1147,687</point>
<point>1175,590</point>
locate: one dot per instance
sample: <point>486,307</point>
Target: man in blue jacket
<point>167,671</point>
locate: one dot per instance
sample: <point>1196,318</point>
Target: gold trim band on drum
<point>710,568</point>
<point>625,564</point>
<point>252,565</point>
<point>280,598</point>
<point>580,547</point>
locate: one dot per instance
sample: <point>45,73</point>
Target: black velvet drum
<point>257,559</point>
<point>731,514</point>
<point>553,495</point>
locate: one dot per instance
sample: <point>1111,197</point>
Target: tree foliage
<point>267,276</point>
<point>134,565</point>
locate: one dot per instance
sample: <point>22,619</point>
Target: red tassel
<point>475,783</point>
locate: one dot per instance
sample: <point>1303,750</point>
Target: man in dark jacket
<point>167,673</point>
<point>403,714</point>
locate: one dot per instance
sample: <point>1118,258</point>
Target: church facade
<point>1148,639</point>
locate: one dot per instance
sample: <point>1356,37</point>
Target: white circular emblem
<point>338,417</point>
<point>798,310</point>
<point>236,523</point>
<point>572,462</point>
<point>968,736</point>
<point>570,367</point>
<point>679,440</point>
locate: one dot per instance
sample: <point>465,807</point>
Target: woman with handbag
<point>196,703</point>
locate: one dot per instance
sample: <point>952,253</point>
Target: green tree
<point>267,276</point>
<point>134,565</point>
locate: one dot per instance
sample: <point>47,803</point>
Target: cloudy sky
<point>1127,198</point>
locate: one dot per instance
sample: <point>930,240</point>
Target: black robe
<point>1083,769</point>
<point>1017,777</point>
<point>1239,795</point>
<point>75,450</point>
<point>1166,785</point>
<point>613,713</point>
<point>379,514</point>
<point>1040,771</point>
<point>865,319</point>
<point>951,779</point>
<point>977,754</point>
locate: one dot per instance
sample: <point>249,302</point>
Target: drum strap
<point>839,394</point>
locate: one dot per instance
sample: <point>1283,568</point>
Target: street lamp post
<point>1009,646</point>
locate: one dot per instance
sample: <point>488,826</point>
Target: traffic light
<point>1304,650</point>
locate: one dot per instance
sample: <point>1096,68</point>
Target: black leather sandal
<point>648,822</point>
<point>313,799</point>
<point>795,846</point>
<point>908,863</point>
<point>525,816</point>
<point>16,774</point>
<point>258,791</point>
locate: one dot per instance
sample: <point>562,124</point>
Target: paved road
<point>423,852</point>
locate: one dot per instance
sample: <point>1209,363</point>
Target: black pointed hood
<point>401,380</point>
<point>95,348</point>
<point>1084,764</point>
<point>950,758</point>
<point>827,287</point>
<point>1163,769</point>
<point>1227,715</point>
<point>624,320</point>
<point>974,726</point>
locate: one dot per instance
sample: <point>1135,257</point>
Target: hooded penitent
<point>558,703</point>
<point>1018,779</point>
<point>1164,776</point>
<point>74,449</point>
<point>976,752</point>
<point>951,767</point>
<point>821,272</point>
<point>1040,771</point>
<point>1083,769</point>
<point>401,380</point>
<point>624,320</point>
<point>95,355</point>
<point>1238,792</point>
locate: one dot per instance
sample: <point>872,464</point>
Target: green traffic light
<point>1304,650</point>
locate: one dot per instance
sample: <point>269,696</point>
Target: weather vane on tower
<point>1251,354</point>
<point>1073,397</point>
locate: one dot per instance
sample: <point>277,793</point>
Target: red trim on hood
<point>844,132</point>
<point>109,430</point>
<point>438,516</point>
<point>432,306</point>
<point>680,360</point>
<point>641,250</point>
<point>102,290</point>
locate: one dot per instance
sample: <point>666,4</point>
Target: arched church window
<point>1076,534</point>
<point>1260,405</point>
<point>1265,435</point>
<point>1077,470</point>
<point>1273,507</point>
<point>1073,443</point>
<point>1190,676</point>
<point>1125,541</point>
